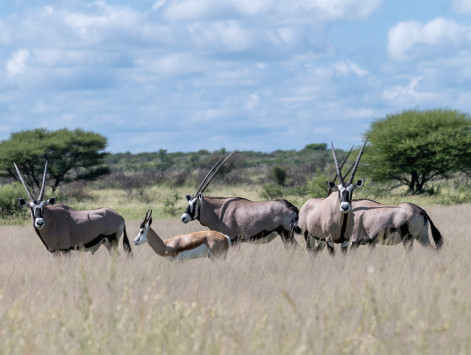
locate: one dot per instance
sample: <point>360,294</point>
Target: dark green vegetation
<point>71,155</point>
<point>413,147</point>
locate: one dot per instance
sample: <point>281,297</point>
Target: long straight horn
<point>339,174</point>
<point>43,185</point>
<point>343,163</point>
<point>355,166</point>
<point>207,175</point>
<point>24,184</point>
<point>215,172</point>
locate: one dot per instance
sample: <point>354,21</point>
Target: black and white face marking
<point>345,194</point>
<point>37,210</point>
<point>141,238</point>
<point>192,210</point>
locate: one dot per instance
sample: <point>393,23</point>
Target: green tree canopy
<point>414,146</point>
<point>71,155</point>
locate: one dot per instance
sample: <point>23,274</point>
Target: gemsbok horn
<point>330,220</point>
<point>62,229</point>
<point>241,219</point>
<point>202,244</point>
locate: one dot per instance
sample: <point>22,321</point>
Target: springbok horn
<point>207,175</point>
<point>339,174</point>
<point>24,184</point>
<point>144,221</point>
<point>215,172</point>
<point>41,192</point>
<point>355,166</point>
<point>341,166</point>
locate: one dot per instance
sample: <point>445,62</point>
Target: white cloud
<point>408,40</point>
<point>462,6</point>
<point>16,65</point>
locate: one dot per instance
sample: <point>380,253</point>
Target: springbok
<point>241,219</point>
<point>376,223</point>
<point>330,219</point>
<point>183,247</point>
<point>62,229</point>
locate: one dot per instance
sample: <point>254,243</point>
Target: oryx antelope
<point>62,229</point>
<point>330,219</point>
<point>183,247</point>
<point>376,223</point>
<point>241,219</point>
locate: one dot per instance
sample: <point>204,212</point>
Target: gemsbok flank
<point>241,219</point>
<point>330,219</point>
<point>376,223</point>
<point>202,244</point>
<point>62,229</point>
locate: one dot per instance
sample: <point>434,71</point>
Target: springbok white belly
<point>199,252</point>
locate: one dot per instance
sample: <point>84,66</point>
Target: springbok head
<point>192,210</point>
<point>35,204</point>
<point>345,189</point>
<point>144,229</point>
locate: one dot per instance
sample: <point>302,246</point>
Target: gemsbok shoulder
<point>202,244</point>
<point>241,219</point>
<point>329,220</point>
<point>62,229</point>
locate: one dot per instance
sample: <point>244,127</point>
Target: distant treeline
<point>286,168</point>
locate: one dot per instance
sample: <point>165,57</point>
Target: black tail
<point>437,236</point>
<point>126,245</point>
<point>294,226</point>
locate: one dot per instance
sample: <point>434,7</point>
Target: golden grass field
<point>263,299</point>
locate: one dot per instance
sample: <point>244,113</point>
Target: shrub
<point>279,175</point>
<point>9,195</point>
<point>271,191</point>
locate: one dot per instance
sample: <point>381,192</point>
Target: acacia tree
<point>415,146</point>
<point>71,155</point>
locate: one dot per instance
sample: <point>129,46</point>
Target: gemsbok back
<point>241,219</point>
<point>202,244</point>
<point>62,229</point>
<point>330,219</point>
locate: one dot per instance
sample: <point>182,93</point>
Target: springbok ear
<point>22,202</point>
<point>188,197</point>
<point>331,185</point>
<point>360,183</point>
<point>51,201</point>
<point>150,221</point>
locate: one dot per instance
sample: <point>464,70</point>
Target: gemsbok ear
<point>331,185</point>
<point>188,197</point>
<point>360,183</point>
<point>22,202</point>
<point>150,221</point>
<point>52,201</point>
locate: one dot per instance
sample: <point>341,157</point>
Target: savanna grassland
<point>262,299</point>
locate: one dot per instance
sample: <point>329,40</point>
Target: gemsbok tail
<point>436,235</point>
<point>126,245</point>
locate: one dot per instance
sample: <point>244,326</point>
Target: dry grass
<point>262,299</point>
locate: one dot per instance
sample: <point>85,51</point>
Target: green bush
<point>9,195</point>
<point>279,175</point>
<point>317,186</point>
<point>271,191</point>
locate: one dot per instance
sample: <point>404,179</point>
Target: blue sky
<point>261,75</point>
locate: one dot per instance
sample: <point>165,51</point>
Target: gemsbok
<point>62,229</point>
<point>376,223</point>
<point>241,219</point>
<point>329,220</point>
<point>202,244</point>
